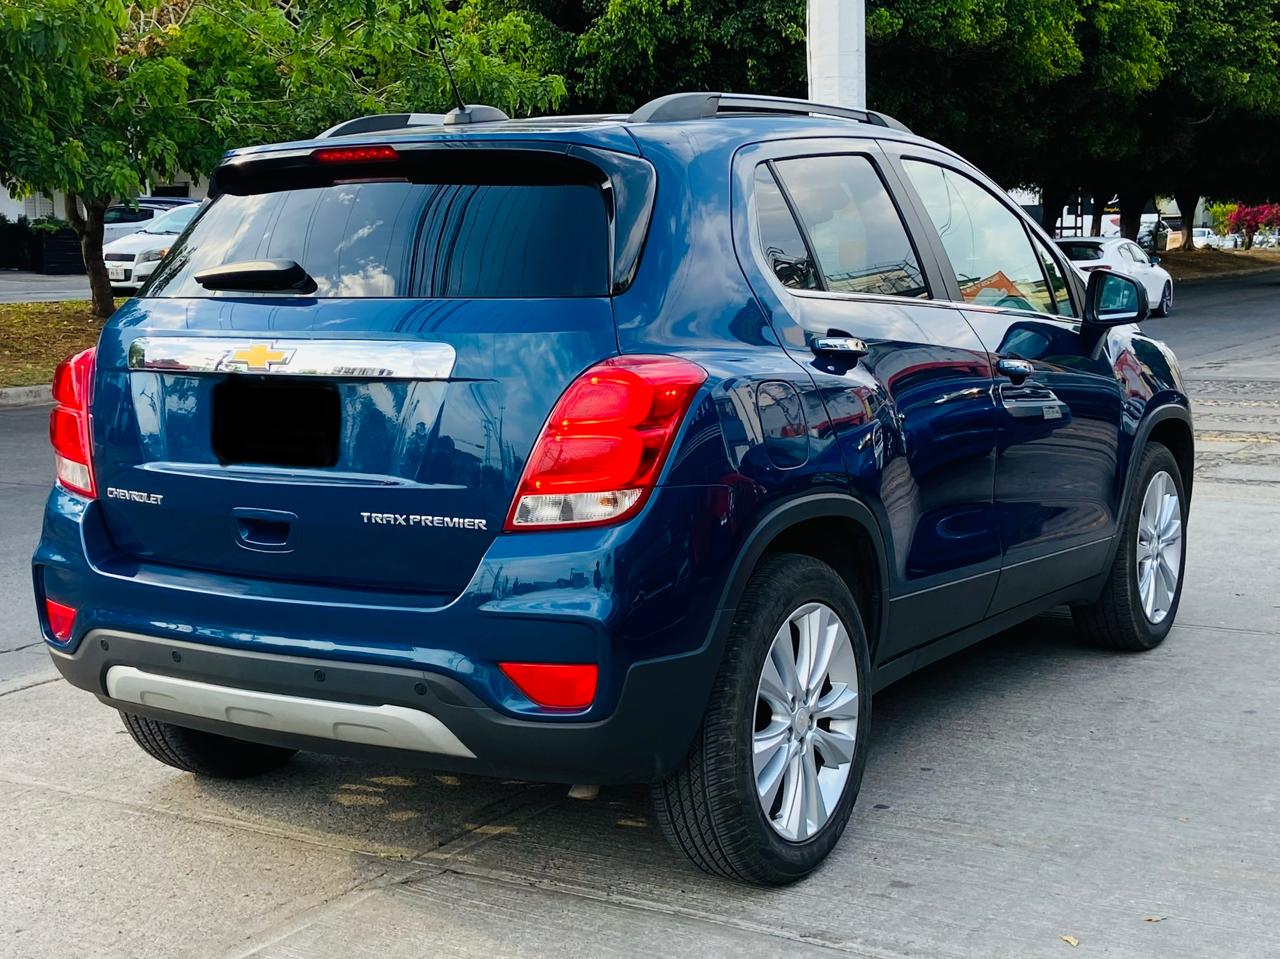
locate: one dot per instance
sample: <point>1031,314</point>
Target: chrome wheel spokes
<point>1159,547</point>
<point>806,721</point>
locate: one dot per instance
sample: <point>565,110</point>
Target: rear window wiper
<point>258,276</point>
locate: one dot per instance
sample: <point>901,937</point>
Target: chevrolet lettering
<point>135,496</point>
<point>625,449</point>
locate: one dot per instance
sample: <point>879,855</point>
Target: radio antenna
<point>435,34</point>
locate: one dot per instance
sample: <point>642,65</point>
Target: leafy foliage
<point>102,98</point>
<point>1248,220</point>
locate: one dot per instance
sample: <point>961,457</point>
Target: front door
<point>1058,404</point>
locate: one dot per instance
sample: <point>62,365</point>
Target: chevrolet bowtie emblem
<point>260,357</point>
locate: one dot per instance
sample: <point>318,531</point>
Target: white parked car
<point>1203,238</point>
<point>1123,256</point>
<point>121,219</point>
<point>132,259</point>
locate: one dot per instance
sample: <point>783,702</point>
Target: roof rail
<point>697,106</point>
<point>387,122</point>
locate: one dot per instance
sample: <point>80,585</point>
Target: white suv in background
<point>1124,256</point>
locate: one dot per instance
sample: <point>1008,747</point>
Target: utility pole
<point>838,52</point>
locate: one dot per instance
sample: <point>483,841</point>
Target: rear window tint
<point>1082,251</point>
<point>401,239</point>
<point>124,214</point>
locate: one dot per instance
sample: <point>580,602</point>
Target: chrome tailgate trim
<point>352,359</point>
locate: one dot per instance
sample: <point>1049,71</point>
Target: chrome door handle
<point>845,347</point>
<point>1014,369</point>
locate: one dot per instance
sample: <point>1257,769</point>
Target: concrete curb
<point>25,396</point>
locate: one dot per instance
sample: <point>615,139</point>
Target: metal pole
<point>838,52</point>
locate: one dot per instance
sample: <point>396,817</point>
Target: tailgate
<point>371,442</point>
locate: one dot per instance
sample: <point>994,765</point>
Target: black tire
<point>205,754</point>
<point>709,808</point>
<point>1165,306</point>
<point>1117,620</point>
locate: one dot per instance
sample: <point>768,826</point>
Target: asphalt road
<point>1026,790</point>
<point>20,287</point>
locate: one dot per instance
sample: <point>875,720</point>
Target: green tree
<point>49,75</point>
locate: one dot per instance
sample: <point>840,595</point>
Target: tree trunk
<point>1100,198</point>
<point>1052,200</point>
<point>1132,203</point>
<point>88,226</point>
<point>1187,201</point>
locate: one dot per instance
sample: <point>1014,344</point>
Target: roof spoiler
<point>389,122</point>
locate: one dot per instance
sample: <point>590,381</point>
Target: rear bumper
<point>640,600</point>
<point>401,716</point>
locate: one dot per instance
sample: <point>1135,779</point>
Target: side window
<point>1137,253</point>
<point>1057,282</point>
<point>857,237</point>
<point>985,241</point>
<point>123,214</point>
<point>1124,252</point>
<point>780,238</point>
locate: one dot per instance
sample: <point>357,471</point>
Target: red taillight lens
<point>69,423</point>
<point>374,154</point>
<point>61,619</point>
<point>555,685</point>
<point>605,442</point>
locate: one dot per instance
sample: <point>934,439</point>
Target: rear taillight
<point>603,447</point>
<point>69,423</point>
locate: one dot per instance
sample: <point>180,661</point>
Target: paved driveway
<point>1023,791</point>
<point>18,287</point>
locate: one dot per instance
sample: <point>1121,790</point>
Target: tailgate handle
<point>264,530</point>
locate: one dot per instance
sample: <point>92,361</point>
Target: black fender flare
<point>1141,436</point>
<point>778,520</point>
<point>702,665</point>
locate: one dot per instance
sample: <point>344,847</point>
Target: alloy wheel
<point>1159,547</point>
<point>806,722</point>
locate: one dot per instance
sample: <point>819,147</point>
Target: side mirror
<point>1113,299</point>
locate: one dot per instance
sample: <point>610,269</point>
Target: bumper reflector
<point>61,619</point>
<point>555,685</point>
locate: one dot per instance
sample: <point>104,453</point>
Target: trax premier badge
<point>417,519</point>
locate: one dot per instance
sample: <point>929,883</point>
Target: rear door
<point>1059,404</point>
<point>834,258</point>
<point>372,433</point>
<point>1144,271</point>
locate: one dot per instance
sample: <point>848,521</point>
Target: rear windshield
<point>407,239</point>
<point>1082,251</point>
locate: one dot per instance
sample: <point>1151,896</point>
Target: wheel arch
<point>1169,425</point>
<point>832,527</point>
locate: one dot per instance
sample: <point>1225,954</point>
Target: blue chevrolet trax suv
<point>603,449</point>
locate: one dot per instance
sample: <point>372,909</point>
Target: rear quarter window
<point>408,239</point>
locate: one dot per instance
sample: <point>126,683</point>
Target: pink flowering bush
<point>1248,220</point>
